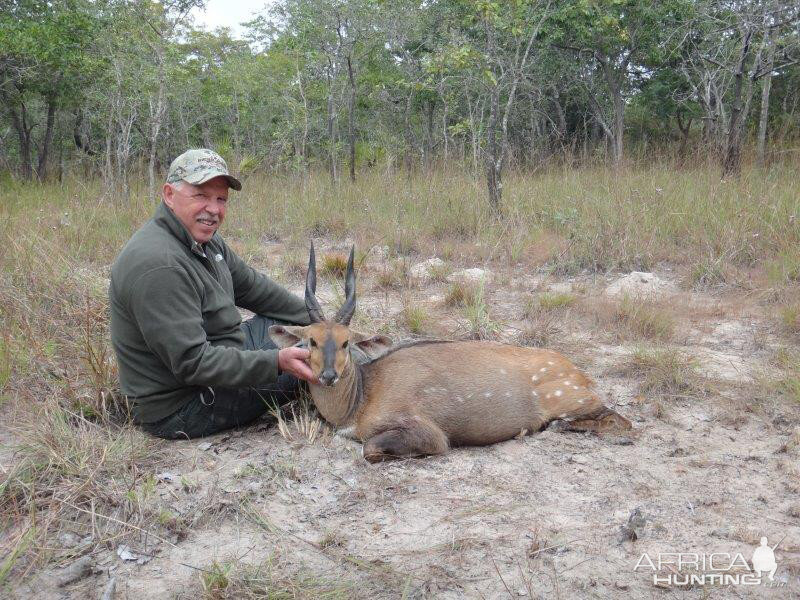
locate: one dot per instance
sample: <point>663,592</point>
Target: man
<point>187,363</point>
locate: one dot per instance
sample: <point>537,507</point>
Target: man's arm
<point>165,302</point>
<point>258,293</point>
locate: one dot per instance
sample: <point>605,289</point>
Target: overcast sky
<point>228,13</point>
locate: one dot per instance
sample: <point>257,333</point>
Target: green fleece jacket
<point>174,323</point>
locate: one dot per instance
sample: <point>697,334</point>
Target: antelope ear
<point>285,336</point>
<point>374,346</point>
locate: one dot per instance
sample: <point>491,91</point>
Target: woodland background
<point>117,88</point>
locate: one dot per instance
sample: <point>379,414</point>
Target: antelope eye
<point>345,344</point>
<point>312,342</point>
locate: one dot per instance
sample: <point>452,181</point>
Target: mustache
<point>207,217</point>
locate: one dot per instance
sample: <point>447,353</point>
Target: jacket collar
<point>166,218</point>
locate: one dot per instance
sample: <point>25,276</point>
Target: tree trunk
<point>428,144</point>
<point>731,164</point>
<point>351,119</point>
<point>765,90</point>
<point>20,125</point>
<point>47,140</point>
<point>493,159</point>
<point>331,126</point>
<point>615,88</point>
<point>684,129</point>
<point>156,116</point>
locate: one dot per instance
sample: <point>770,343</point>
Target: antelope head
<point>332,344</point>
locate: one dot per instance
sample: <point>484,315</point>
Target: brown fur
<point>423,399</point>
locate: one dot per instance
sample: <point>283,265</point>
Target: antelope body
<point>421,398</point>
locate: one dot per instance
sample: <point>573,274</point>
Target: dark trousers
<point>215,409</point>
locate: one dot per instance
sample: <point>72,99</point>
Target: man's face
<point>201,208</point>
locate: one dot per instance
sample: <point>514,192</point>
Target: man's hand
<point>292,360</point>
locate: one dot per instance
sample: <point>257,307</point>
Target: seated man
<point>187,363</point>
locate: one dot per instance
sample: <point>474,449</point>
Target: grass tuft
<point>463,294</point>
<point>790,318</point>
<point>665,373</point>
<point>643,319</point>
<point>334,264</point>
<point>74,473</point>
<point>549,301</point>
<point>304,427</point>
<point>414,318</point>
<point>274,578</point>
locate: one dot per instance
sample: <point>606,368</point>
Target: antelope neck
<point>339,403</point>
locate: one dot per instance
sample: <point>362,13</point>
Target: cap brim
<point>208,176</point>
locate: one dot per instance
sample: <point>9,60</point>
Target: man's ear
<point>285,336</point>
<point>167,192</point>
<point>374,346</point>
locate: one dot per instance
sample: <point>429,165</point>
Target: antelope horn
<point>345,313</point>
<point>312,304</point>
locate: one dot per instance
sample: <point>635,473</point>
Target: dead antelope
<point>423,397</point>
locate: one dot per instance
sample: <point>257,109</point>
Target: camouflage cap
<point>198,166</point>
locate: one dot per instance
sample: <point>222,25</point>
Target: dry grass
<point>80,465</point>
<point>93,480</point>
<point>790,318</point>
<point>788,385</point>
<point>334,265</point>
<point>463,294</point>
<point>304,427</point>
<point>273,579</point>
<point>393,275</point>
<point>633,318</point>
<point>414,318</point>
<point>665,373</point>
<point>439,273</point>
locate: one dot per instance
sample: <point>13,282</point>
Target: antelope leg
<point>419,440</point>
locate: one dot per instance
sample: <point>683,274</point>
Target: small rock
<point>522,592</point>
<point>423,270</point>
<point>639,284</point>
<point>68,540</point>
<point>469,276</point>
<point>108,592</point>
<point>563,287</point>
<point>165,476</point>
<point>204,446</point>
<point>633,529</point>
<point>77,570</point>
<point>125,553</point>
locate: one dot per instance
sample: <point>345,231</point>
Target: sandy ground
<point>543,516</point>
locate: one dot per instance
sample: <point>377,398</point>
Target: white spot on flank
<point>487,394</point>
<point>575,387</point>
<point>548,395</point>
<point>543,370</point>
<point>562,416</point>
<point>508,394</point>
<point>535,394</point>
<point>503,372</point>
<point>558,392</point>
<point>550,362</point>
<point>535,378</point>
<point>580,401</point>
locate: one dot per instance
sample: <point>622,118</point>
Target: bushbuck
<point>422,397</point>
